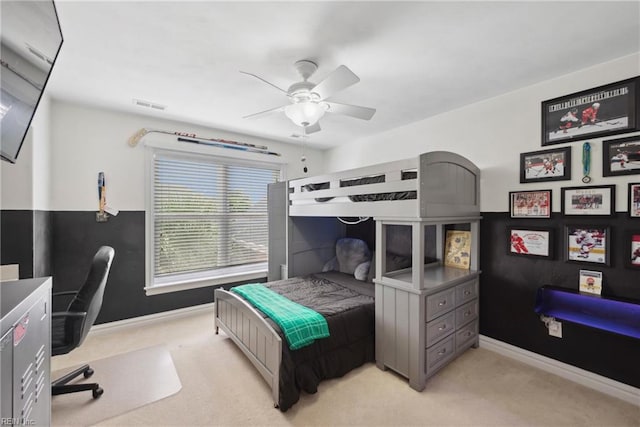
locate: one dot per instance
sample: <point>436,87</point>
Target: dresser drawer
<point>466,313</point>
<point>466,291</point>
<point>440,303</point>
<point>440,328</point>
<point>440,353</point>
<point>466,335</point>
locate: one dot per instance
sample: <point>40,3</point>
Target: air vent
<point>149,104</point>
<point>41,56</point>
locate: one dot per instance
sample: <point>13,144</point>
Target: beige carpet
<point>130,380</point>
<point>221,388</point>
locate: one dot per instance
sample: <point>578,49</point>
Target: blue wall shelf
<point>606,313</point>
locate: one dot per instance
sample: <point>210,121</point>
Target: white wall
<point>25,184</point>
<point>87,140</point>
<point>41,143</point>
<point>493,133</point>
<point>16,179</point>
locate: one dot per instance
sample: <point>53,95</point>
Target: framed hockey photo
<point>594,200</point>
<point>602,111</point>
<point>590,282</point>
<point>530,204</point>
<point>587,244</point>
<point>633,239</point>
<point>621,156</point>
<point>545,165</point>
<point>634,199</point>
<point>530,241</point>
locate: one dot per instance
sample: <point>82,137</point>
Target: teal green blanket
<point>300,325</point>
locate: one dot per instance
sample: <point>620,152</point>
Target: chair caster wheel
<point>88,373</point>
<point>97,392</point>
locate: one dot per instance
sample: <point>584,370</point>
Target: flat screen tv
<point>30,40</point>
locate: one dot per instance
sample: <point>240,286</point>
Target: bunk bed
<point>428,189</point>
<point>434,184</point>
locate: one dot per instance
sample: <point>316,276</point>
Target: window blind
<point>208,214</point>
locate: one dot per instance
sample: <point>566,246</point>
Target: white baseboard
<point>589,379</point>
<point>136,322</point>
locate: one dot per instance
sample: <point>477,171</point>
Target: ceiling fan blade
<point>364,113</point>
<point>265,112</point>
<point>340,79</point>
<point>313,128</point>
<point>260,78</point>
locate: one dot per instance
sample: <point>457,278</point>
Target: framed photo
<point>457,249</point>
<point>587,244</point>
<point>602,111</point>
<point>545,165</point>
<point>530,204</point>
<point>634,199</point>
<point>594,200</point>
<point>530,241</point>
<point>621,156</point>
<point>633,259</point>
<point>591,281</point>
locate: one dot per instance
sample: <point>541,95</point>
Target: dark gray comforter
<point>348,306</point>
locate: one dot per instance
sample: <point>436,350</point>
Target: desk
<point>25,351</point>
<point>9,272</point>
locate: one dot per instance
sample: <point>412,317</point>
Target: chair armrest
<point>57,294</point>
<point>77,320</point>
<point>63,299</point>
<point>71,314</point>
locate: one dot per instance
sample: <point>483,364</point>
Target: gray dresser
<point>25,352</point>
<point>426,315</point>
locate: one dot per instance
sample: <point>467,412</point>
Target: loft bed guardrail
<point>434,184</point>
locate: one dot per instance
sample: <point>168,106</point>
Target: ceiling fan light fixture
<point>306,113</point>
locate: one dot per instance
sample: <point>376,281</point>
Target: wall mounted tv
<point>30,39</point>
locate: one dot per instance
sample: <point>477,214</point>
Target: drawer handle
<point>467,313</point>
<point>467,292</point>
<point>443,327</point>
<point>443,302</point>
<point>441,352</point>
<point>468,334</point>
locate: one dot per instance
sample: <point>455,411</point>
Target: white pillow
<point>362,270</point>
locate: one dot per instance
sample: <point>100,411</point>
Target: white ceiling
<point>414,59</point>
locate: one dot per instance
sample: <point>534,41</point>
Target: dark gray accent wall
<point>76,238</point>
<point>16,240</point>
<point>508,286</point>
<point>42,241</point>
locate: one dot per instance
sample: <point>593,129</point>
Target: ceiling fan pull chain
<point>303,159</point>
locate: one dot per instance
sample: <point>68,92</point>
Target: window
<point>207,220</point>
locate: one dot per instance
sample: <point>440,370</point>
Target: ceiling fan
<point>308,101</point>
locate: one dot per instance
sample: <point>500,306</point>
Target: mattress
<point>348,305</point>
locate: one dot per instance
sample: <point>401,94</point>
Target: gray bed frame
<point>310,242</point>
<point>252,334</point>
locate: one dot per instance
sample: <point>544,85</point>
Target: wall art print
<point>602,111</point>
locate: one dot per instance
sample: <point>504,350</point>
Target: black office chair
<point>69,328</point>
